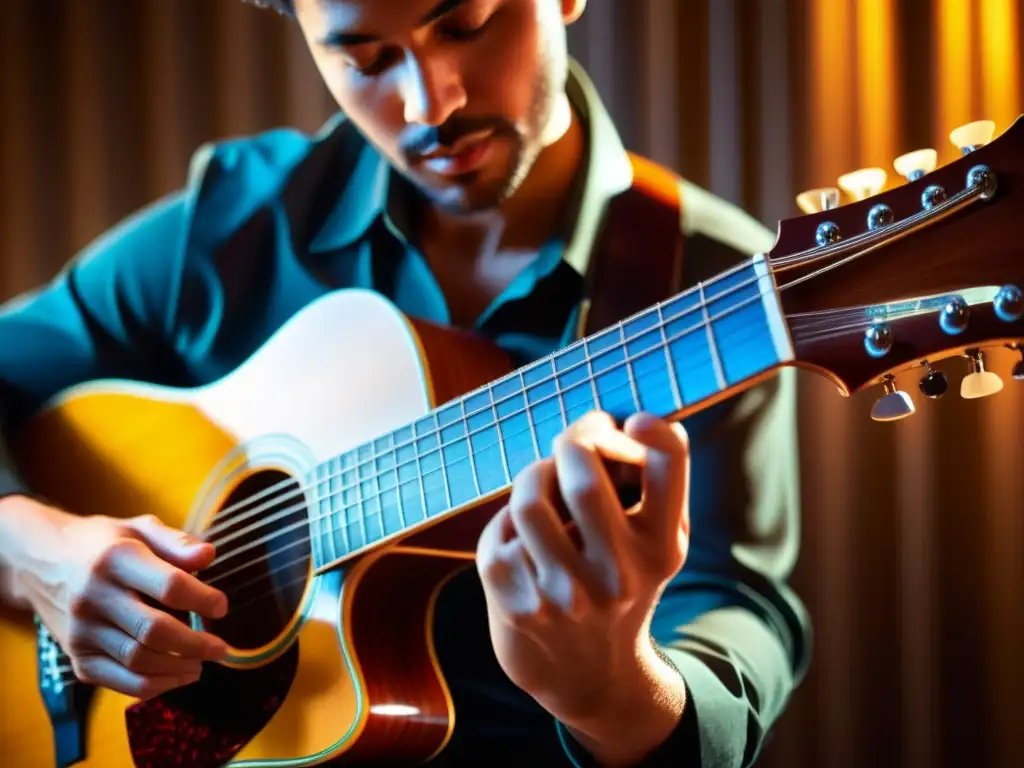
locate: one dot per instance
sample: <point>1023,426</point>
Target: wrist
<point>24,522</point>
<point>640,712</point>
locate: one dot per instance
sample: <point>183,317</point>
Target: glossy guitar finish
<point>361,681</point>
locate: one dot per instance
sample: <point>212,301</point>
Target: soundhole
<point>261,534</point>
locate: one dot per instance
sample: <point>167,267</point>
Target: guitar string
<point>465,436</point>
<point>229,521</point>
<point>376,496</point>
<point>393,471</point>
<point>495,403</point>
<point>585,343</point>
<point>509,455</point>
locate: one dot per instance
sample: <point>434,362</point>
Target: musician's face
<point>460,95</point>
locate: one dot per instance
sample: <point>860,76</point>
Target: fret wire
<point>529,415</point>
<point>502,448</point>
<point>719,374</point>
<point>343,519</point>
<point>672,375</point>
<point>440,459</point>
<point>361,505</point>
<point>561,400</point>
<point>398,494</point>
<point>629,366</point>
<point>332,512</point>
<point>469,447</point>
<point>419,472</point>
<point>590,375</point>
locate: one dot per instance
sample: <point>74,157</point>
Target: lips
<point>468,154</point>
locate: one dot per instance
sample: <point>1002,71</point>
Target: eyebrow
<point>345,39</point>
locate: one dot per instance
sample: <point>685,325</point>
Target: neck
<point>528,218</point>
<point>671,360</point>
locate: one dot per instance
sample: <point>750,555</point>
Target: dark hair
<point>281,6</point>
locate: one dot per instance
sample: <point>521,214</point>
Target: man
<point>466,183</point>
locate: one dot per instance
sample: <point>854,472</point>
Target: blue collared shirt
<point>161,298</point>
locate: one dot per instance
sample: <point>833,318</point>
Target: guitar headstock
<point>897,280</point>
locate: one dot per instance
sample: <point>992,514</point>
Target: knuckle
<point>173,585</point>
<point>143,629</point>
<point>83,669</point>
<point>584,492</point>
<point>129,653</point>
<point>80,603</point>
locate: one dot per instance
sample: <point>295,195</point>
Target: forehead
<point>379,15</point>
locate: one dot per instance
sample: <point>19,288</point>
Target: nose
<point>433,90</point>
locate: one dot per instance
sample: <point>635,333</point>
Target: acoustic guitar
<point>345,470</point>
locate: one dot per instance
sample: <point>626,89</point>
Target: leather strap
<point>638,256</point>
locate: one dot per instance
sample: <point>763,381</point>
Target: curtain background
<point>913,533</point>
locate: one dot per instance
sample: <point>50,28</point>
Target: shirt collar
<point>606,172</point>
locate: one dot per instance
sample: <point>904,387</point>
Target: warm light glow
<point>394,710</point>
<point>831,87</point>
<point>877,80</point>
<point>953,67</point>
<point>863,183</point>
<point>1000,24</point>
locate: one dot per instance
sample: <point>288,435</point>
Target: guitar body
<point>337,666</point>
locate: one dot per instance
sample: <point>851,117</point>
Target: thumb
<point>177,547</point>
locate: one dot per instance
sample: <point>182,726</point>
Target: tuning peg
<point>913,165</point>
<point>863,183</point>
<point>1018,368</point>
<point>934,383</point>
<point>972,136</point>
<point>817,200</point>
<point>894,405</point>
<point>979,382</point>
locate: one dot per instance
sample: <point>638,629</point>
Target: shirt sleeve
<point>729,622</point>
<point>105,315</point>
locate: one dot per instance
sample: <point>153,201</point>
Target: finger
<point>589,495</point>
<point>599,429</point>
<point>666,478</point>
<point>103,671</point>
<point>505,572</point>
<point>173,545</point>
<point>561,572</point>
<point>135,566</point>
<point>134,656</point>
<point>155,629</point>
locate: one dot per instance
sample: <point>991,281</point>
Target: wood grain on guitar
<point>345,471</point>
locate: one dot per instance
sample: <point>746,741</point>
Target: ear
<point>572,10</point>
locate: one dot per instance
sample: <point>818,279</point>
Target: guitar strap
<point>638,256</point>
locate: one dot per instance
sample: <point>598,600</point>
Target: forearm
<point>11,506</point>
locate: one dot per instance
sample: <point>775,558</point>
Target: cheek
<point>502,72</point>
<point>372,104</point>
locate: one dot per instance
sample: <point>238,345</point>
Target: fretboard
<point>667,360</point>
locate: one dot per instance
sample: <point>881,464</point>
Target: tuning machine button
<point>863,183</point>
<point>878,339</point>
<point>971,136</point>
<point>934,384</point>
<point>1018,368</point>
<point>913,165</point>
<point>979,382</point>
<point>954,316</point>
<point>1009,304</point>
<point>894,405</point>
<point>818,200</point>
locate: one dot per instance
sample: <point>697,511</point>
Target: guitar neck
<point>672,359</point>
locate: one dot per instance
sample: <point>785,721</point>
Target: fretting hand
<point>571,624</point>
<point>84,581</point>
